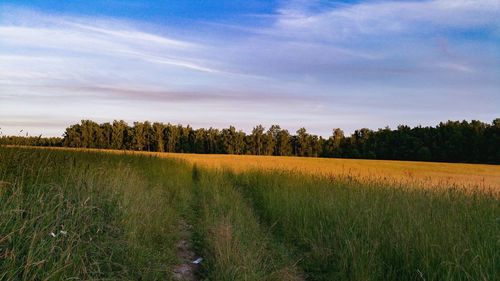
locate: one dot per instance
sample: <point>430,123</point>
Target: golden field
<point>422,174</point>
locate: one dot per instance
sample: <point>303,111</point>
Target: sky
<point>314,64</point>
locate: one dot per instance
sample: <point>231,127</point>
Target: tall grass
<point>228,235</point>
<point>346,230</point>
<point>429,175</point>
<point>88,215</point>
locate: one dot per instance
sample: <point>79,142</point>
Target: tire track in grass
<point>152,210</point>
<point>173,237</point>
<point>187,269</point>
<point>298,214</point>
<point>235,246</point>
<point>256,199</point>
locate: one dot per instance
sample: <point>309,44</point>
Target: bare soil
<point>186,270</point>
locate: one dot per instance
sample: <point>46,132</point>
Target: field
<point>421,174</point>
<point>472,177</point>
<point>68,214</point>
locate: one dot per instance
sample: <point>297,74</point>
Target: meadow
<point>69,214</point>
<point>432,175</point>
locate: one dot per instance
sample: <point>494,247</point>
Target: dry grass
<point>423,174</point>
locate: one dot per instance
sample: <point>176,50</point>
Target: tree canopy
<point>451,141</point>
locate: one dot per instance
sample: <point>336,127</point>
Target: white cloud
<point>353,65</point>
<point>70,37</point>
<point>382,17</point>
<point>455,67</point>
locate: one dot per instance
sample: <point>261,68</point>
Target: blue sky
<point>160,12</point>
<point>318,64</point>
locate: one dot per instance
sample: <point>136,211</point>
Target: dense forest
<point>452,141</point>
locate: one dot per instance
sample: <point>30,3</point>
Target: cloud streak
<point>345,65</point>
<point>382,17</point>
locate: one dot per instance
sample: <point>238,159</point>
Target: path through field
<point>91,215</point>
<point>189,264</point>
<point>233,241</point>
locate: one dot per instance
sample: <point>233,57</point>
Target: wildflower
<point>53,234</point>
<point>63,232</point>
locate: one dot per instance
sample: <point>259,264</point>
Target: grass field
<point>67,214</point>
<point>421,174</point>
<point>432,175</point>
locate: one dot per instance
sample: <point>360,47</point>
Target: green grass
<point>229,235</point>
<point>344,230</point>
<point>117,217</point>
<point>120,214</point>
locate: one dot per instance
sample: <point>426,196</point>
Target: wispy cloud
<point>381,17</point>
<point>103,39</point>
<point>371,63</point>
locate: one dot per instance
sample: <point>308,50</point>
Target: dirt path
<point>187,269</point>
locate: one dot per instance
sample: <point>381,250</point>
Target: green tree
<point>105,135</point>
<point>283,142</point>
<point>303,146</point>
<point>73,136</point>
<point>139,136</point>
<point>171,135</point>
<point>257,140</point>
<point>200,142</point>
<point>269,140</point>
<point>212,136</point>
<point>118,130</point>
<point>334,143</point>
<point>158,144</point>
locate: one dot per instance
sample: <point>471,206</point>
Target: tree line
<point>451,141</point>
<point>31,140</point>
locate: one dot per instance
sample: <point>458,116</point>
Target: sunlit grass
<point>346,230</point>
<point>70,214</point>
<point>412,174</point>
